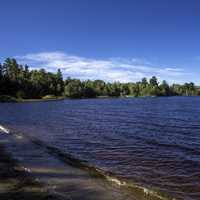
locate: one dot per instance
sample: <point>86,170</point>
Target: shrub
<point>20,94</point>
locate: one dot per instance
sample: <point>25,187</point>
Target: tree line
<point>20,82</point>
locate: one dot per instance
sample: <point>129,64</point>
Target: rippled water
<point>153,142</point>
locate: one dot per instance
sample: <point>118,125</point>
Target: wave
<point>137,190</point>
<point>4,130</point>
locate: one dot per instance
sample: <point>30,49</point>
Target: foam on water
<point>4,130</point>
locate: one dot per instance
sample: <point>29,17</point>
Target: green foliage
<point>18,81</point>
<point>88,89</point>
<point>100,88</point>
<point>20,94</point>
<point>74,89</point>
<point>153,81</point>
<point>114,89</point>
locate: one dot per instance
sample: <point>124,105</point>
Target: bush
<point>20,94</point>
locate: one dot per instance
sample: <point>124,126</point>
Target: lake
<point>152,143</point>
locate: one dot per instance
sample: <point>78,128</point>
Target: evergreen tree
<point>18,81</point>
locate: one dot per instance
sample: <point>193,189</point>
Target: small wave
<point>99,173</point>
<point>3,129</point>
<point>139,190</point>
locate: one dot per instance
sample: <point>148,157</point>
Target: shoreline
<point>39,100</point>
<point>16,183</point>
<point>10,99</point>
<point>75,174</point>
<point>16,100</point>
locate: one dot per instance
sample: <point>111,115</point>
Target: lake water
<point>149,142</point>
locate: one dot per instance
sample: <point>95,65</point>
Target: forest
<point>18,81</point>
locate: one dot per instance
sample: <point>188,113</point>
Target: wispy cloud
<point>113,69</point>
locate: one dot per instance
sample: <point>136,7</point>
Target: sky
<point>113,40</point>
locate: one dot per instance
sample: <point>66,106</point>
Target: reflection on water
<point>152,142</point>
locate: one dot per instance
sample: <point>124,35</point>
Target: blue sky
<point>114,40</point>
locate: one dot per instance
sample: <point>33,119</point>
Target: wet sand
<point>16,183</point>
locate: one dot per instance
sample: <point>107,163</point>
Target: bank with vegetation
<point>19,83</point>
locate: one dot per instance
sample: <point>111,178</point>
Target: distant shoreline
<point>39,100</point>
<point>18,83</point>
<point>11,99</point>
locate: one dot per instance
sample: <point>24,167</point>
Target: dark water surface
<point>151,142</point>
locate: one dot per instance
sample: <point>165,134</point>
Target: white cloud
<point>113,69</point>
